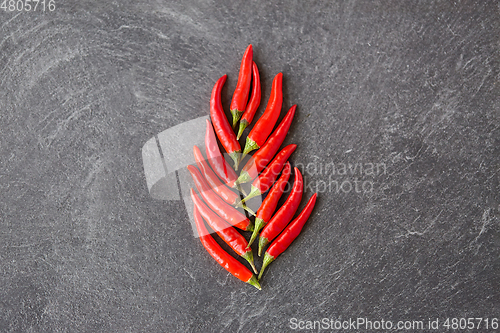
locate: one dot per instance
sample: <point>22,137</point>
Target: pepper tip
<point>254,282</point>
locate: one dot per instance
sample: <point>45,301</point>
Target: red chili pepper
<point>266,122</point>
<point>253,103</point>
<point>227,212</point>
<point>260,159</point>
<point>224,259</point>
<point>222,128</point>
<point>215,184</point>
<point>267,208</point>
<point>262,183</point>
<point>216,160</point>
<point>284,214</point>
<point>287,237</point>
<point>240,95</point>
<point>227,233</point>
<point>222,190</point>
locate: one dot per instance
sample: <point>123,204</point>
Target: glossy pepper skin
<point>240,95</point>
<point>225,211</point>
<point>222,128</point>
<point>284,214</point>
<point>269,204</point>
<point>264,181</point>
<point>226,232</point>
<point>253,103</point>
<point>287,237</point>
<point>224,259</point>
<point>222,190</point>
<point>261,158</point>
<point>215,184</point>
<point>266,122</point>
<point>217,160</point>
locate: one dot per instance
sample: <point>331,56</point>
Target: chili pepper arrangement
<point>220,186</point>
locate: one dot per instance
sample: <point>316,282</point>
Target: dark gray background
<point>412,84</point>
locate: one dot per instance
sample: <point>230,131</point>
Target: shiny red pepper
<point>269,204</point>
<point>224,259</point>
<point>222,190</point>
<point>262,183</point>
<point>253,103</point>
<point>216,160</point>
<point>240,96</point>
<point>227,212</point>
<point>266,122</point>
<point>284,214</point>
<point>215,184</point>
<point>261,158</point>
<point>287,237</point>
<point>225,231</point>
<point>222,128</point>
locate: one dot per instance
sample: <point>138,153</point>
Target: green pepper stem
<point>250,227</point>
<point>254,191</point>
<point>236,116</point>
<point>251,212</point>
<point>248,256</point>
<point>243,125</point>
<point>237,185</point>
<point>263,241</point>
<point>259,224</point>
<point>267,260</point>
<point>254,282</point>
<point>235,156</point>
<point>249,146</point>
<point>244,177</point>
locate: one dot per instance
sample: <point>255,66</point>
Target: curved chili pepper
<point>268,206</point>
<point>224,259</point>
<point>222,190</point>
<point>260,159</point>
<point>284,214</point>
<point>287,237</point>
<point>262,183</point>
<point>217,160</point>
<point>227,233</point>
<point>253,103</point>
<point>266,122</point>
<point>227,212</point>
<point>222,128</point>
<point>213,181</point>
<point>240,95</point>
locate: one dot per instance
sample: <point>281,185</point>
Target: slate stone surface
<point>406,90</point>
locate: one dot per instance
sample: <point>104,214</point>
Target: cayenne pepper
<point>240,95</point>
<point>222,128</point>
<point>227,212</point>
<point>228,234</point>
<point>284,214</point>
<point>262,183</point>
<point>266,122</point>
<point>287,237</point>
<point>215,184</point>
<point>216,159</point>
<point>224,259</point>
<point>269,204</point>
<point>253,103</point>
<point>259,160</point>
<point>222,190</point>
